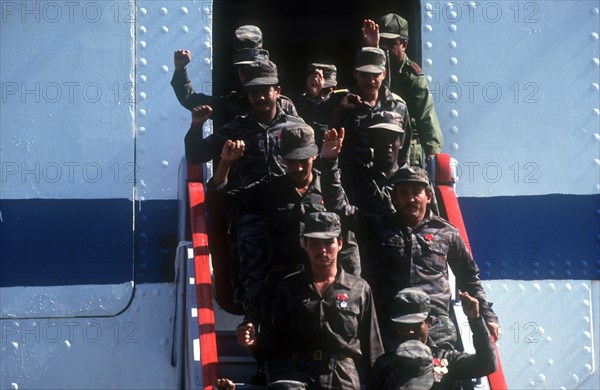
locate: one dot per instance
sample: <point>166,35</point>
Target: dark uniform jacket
<point>410,83</point>
<point>261,154</point>
<point>357,121</point>
<point>408,257</point>
<point>225,108</point>
<point>341,323</point>
<point>307,107</point>
<point>276,198</point>
<point>458,364</point>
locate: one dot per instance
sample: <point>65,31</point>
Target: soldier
<point>247,49</point>
<point>259,129</point>
<point>320,82</point>
<point>260,132</point>
<point>282,201</point>
<point>414,247</point>
<point>324,332</point>
<point>371,188</point>
<point>408,367</point>
<point>410,314</point>
<point>353,109</point>
<point>407,80</point>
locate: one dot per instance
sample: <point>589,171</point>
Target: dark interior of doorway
<point>303,31</point>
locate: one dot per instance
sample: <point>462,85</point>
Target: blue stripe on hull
<point>535,237</point>
<point>65,242</point>
<point>53,242</point>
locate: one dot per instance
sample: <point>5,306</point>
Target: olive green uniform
<point>409,82</point>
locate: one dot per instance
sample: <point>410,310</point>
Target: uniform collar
<point>341,278</point>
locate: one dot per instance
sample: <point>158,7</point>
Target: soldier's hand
<point>181,58</point>
<point>200,114</point>
<point>332,144</point>
<point>350,102</point>
<point>470,305</point>
<point>494,329</point>
<point>232,150</point>
<point>246,335</point>
<point>315,83</point>
<point>370,33</point>
<point>224,384</point>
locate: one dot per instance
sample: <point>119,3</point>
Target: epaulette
<point>414,68</point>
<point>341,90</point>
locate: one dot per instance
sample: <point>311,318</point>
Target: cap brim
<point>329,85</point>
<point>323,235</point>
<point>302,153</point>
<point>370,69</point>
<point>389,35</point>
<point>422,182</point>
<point>388,126</point>
<point>413,318</point>
<point>262,81</point>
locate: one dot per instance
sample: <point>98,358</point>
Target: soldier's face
<point>368,83</point>
<point>410,201</point>
<point>418,331</point>
<point>263,98</point>
<point>385,144</point>
<point>395,47</point>
<point>322,251</point>
<point>300,170</point>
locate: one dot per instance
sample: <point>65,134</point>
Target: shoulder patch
<point>416,68</point>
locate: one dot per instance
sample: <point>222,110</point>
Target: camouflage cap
<point>329,73</point>
<point>297,141</point>
<point>413,366</point>
<point>322,225</point>
<point>286,384</point>
<point>410,306</point>
<point>370,60</point>
<point>248,55</point>
<point>410,175</point>
<point>393,26</point>
<point>260,73</point>
<point>389,120</point>
<point>248,36</point>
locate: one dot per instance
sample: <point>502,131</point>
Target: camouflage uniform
<point>306,105</point>
<point>268,253</point>
<point>262,147</point>
<point>323,341</point>
<point>357,121</point>
<point>225,108</point>
<point>260,159</point>
<point>356,151</point>
<point>458,365</point>
<point>408,257</point>
<point>409,82</point>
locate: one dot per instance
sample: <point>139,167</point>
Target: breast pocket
<point>392,252</point>
<point>344,320</point>
<point>435,256</point>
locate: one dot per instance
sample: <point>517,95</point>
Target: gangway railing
<point>204,347</point>
<point>444,181</point>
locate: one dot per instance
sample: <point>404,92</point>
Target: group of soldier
<point>336,251</point>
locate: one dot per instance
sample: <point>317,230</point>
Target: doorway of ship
<point>297,33</point>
